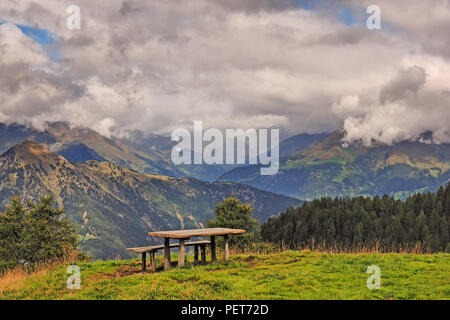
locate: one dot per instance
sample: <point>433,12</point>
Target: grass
<point>284,275</point>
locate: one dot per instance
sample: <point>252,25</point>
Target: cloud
<point>158,65</point>
<point>348,107</point>
<point>406,108</point>
<point>406,82</point>
<point>16,48</point>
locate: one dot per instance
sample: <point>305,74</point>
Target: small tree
<point>34,233</point>
<point>230,213</point>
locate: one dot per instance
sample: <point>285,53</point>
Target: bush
<point>34,233</point>
<point>230,213</point>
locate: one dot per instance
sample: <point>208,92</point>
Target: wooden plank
<point>166,254</point>
<point>181,253</point>
<point>146,249</point>
<point>213,249</point>
<point>184,234</point>
<point>226,249</point>
<point>159,247</point>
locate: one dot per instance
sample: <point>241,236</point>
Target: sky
<point>300,66</point>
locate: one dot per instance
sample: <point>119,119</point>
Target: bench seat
<point>152,249</point>
<point>172,245</point>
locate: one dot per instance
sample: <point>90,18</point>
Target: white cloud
<point>16,48</point>
<point>157,65</point>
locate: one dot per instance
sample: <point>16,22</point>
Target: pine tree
<point>354,222</point>
<point>34,233</point>
<point>444,232</point>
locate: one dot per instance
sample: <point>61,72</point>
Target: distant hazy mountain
<point>300,143</point>
<point>77,152</point>
<point>160,147</point>
<point>13,134</point>
<point>330,169</point>
<point>144,153</point>
<point>114,150</point>
<point>115,207</point>
<point>149,153</point>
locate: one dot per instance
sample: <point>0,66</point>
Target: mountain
<point>160,147</point>
<point>300,143</point>
<point>144,153</point>
<point>330,168</point>
<point>113,149</point>
<point>115,207</point>
<point>77,152</point>
<point>149,153</point>
<point>12,134</point>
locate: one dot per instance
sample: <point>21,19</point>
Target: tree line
<point>348,223</point>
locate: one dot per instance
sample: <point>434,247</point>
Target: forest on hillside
<point>422,221</point>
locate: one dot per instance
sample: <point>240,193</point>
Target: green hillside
<point>332,169</point>
<point>114,207</point>
<point>286,275</point>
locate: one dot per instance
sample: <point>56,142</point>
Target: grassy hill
<point>285,275</point>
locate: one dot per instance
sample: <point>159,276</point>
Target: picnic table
<point>183,235</point>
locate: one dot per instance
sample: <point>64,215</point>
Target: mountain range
<point>147,154</point>
<point>117,189</point>
<point>114,207</point>
<point>329,167</point>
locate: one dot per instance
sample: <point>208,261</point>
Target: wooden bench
<point>152,249</point>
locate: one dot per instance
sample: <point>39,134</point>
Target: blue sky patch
<point>45,38</point>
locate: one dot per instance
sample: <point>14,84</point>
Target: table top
<point>185,234</point>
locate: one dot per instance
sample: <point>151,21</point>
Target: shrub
<point>34,233</point>
<point>230,213</point>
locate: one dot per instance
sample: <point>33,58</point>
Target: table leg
<point>166,253</point>
<point>144,261</point>
<point>195,254</point>
<point>152,262</point>
<point>181,253</point>
<point>227,249</point>
<point>203,248</point>
<point>213,249</point>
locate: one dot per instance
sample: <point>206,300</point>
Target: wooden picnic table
<point>183,235</point>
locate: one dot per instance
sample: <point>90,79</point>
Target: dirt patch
<point>125,271</point>
<point>250,259</point>
<point>129,270</point>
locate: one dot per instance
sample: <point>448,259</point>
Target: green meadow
<point>285,275</point>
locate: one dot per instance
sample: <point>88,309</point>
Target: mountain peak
<point>65,133</point>
<point>28,147</point>
<point>31,152</point>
